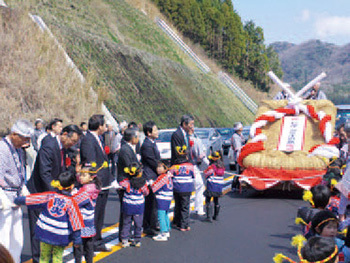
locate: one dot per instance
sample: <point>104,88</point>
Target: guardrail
<point>246,100</point>
<point>200,64</point>
<point>223,77</point>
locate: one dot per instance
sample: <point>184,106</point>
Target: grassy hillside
<point>144,75</point>
<point>34,79</point>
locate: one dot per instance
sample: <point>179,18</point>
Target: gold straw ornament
<point>57,184</point>
<point>308,197</point>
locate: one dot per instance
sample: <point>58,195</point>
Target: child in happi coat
<point>315,250</point>
<point>59,222</point>
<point>163,189</point>
<point>215,182</point>
<point>87,177</point>
<point>326,224</point>
<point>133,203</point>
<point>183,180</point>
<point>318,197</point>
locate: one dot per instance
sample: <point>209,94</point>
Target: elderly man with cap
<point>237,142</point>
<point>12,179</point>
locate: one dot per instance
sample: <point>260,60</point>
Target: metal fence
<point>246,100</point>
<point>200,64</point>
<point>223,77</point>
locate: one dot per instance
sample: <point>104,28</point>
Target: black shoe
<point>216,212</point>
<point>102,248</point>
<point>150,232</point>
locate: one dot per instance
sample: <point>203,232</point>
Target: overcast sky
<point>297,21</point>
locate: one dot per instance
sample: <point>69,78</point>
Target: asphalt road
<point>252,228</point>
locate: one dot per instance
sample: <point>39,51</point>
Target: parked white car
<point>163,144</point>
<point>211,139</point>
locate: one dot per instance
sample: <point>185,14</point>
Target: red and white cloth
<point>262,178</point>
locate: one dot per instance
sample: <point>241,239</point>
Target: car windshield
<point>226,133</point>
<point>202,134</point>
<point>342,116</point>
<point>164,136</point>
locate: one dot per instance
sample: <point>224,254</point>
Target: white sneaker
<point>201,213</point>
<point>160,237</point>
<point>125,243</point>
<point>167,234</point>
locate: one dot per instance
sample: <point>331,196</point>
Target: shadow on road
<point>266,194</point>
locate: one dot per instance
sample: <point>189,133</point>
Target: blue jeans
<point>164,221</point>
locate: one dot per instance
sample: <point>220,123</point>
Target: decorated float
<point>291,141</point>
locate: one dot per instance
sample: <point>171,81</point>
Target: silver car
<point>211,139</point>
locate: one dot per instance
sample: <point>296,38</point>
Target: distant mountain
<point>301,63</point>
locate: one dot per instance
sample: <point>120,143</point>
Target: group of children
<point>324,227</point>
<point>68,214</point>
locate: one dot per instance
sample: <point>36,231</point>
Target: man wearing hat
<point>237,142</point>
<point>12,179</point>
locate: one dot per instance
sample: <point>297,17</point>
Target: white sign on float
<point>292,134</point>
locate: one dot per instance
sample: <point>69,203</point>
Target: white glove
<point>74,191</point>
<point>206,161</point>
<point>5,202</point>
<point>115,185</point>
<point>149,182</point>
<point>25,191</point>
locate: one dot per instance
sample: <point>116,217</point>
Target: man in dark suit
<point>181,136</point>
<point>150,157</point>
<point>55,127</point>
<point>50,162</point>
<point>92,150</point>
<point>127,156</point>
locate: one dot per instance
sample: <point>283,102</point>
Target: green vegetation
<point>140,72</point>
<point>217,27</point>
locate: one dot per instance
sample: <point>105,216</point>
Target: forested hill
<point>303,62</point>
<point>218,28</point>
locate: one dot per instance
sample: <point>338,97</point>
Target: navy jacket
<point>91,151</point>
<point>125,158</point>
<point>47,167</point>
<point>177,139</point>
<point>149,158</point>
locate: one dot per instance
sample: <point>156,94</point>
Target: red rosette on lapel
<point>68,162</point>
<point>107,150</point>
<point>191,143</point>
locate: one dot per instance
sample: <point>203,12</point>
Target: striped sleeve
<point>209,171</point>
<point>81,197</point>
<point>39,198</point>
<point>161,180</point>
<point>125,184</point>
<point>75,217</point>
<point>145,190</point>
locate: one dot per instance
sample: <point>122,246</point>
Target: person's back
<point>183,175</point>
<point>58,210</point>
